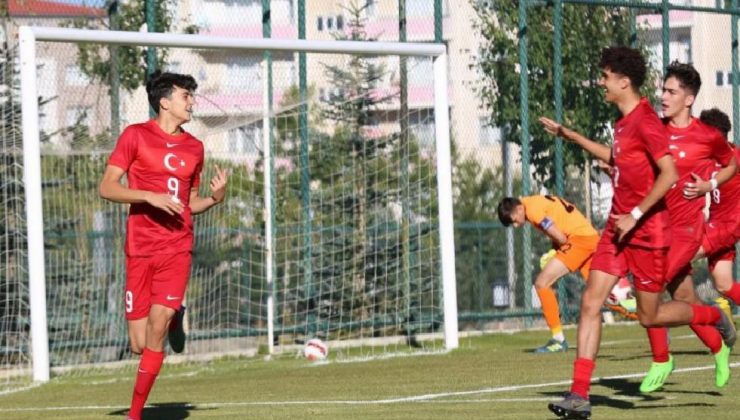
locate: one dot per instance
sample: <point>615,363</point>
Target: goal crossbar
<point>29,36</point>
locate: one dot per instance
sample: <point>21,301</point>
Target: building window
<point>73,76</point>
<point>488,135</point>
<point>320,23</point>
<point>720,77</point>
<point>329,23</point>
<point>78,115</point>
<point>340,22</point>
<point>729,78</point>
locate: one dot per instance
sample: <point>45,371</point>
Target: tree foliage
<point>95,59</point>
<point>586,30</point>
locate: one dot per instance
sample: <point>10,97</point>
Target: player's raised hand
<point>551,126</point>
<point>624,223</point>
<point>697,188</point>
<point>168,203</point>
<point>218,184</point>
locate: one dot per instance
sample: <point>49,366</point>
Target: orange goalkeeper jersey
<point>544,211</point>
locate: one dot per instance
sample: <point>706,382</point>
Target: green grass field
<point>493,376</point>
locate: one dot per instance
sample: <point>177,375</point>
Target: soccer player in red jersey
<point>162,163</point>
<point>637,234</point>
<point>696,149</point>
<point>722,229</point>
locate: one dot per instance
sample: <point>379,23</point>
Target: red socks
<point>705,315</point>
<point>582,370</point>
<point>151,362</point>
<point>734,293</point>
<point>658,337</point>
<point>709,336</point>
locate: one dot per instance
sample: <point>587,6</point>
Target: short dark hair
<point>160,85</point>
<point>686,75</point>
<point>717,119</point>
<point>506,209</point>
<point>625,61</point>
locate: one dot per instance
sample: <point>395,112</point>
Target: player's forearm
<point>726,173</point>
<point>201,204</point>
<point>600,151</point>
<point>663,183</point>
<point>114,191</point>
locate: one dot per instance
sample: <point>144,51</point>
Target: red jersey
<point>725,205</point>
<point>640,140</point>
<point>697,148</point>
<point>162,163</point>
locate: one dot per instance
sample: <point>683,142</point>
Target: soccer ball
<point>621,291</point>
<point>315,349</point>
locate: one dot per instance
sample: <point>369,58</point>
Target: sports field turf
<point>490,377</point>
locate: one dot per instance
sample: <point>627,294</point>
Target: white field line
<point>424,398</point>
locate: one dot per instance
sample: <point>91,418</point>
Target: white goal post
<point>28,38</point>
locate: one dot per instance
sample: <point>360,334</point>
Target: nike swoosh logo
<point>674,137</point>
<point>172,297</point>
<point>171,145</point>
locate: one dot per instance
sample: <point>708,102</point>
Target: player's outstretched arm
<point>218,193</point>
<point>600,151</point>
<point>111,189</point>
<point>666,178</point>
<point>700,187</point>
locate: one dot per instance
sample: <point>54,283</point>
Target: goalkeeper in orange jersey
<point>574,240</point>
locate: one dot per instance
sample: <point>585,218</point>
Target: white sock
<point>559,336</point>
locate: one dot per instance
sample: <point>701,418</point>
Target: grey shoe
<point>727,328</point>
<point>573,406</point>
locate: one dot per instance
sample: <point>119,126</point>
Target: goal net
<point>337,215</point>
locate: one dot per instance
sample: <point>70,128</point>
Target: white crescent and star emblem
<point>167,164</point>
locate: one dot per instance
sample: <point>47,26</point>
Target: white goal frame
<point>28,36</point>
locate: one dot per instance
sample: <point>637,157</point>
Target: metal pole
<point>665,8</point>
<point>151,54</point>
<point>269,187</point>
<point>115,77</point>
<point>34,207</point>
<point>558,92</point>
<point>404,169</point>
<point>444,185</point>
<point>437,20</point>
<point>303,159</point>
<point>524,106</point>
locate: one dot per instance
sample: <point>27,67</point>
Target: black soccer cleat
<point>573,406</point>
<point>176,333</point>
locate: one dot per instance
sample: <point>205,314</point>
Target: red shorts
<point>685,243</point>
<point>647,265</point>
<point>160,279</point>
<point>719,236</point>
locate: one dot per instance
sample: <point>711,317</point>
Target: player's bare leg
<point>137,334</point>
<point>722,276</point>
<point>157,326</point>
<point>597,289</point>
<point>550,273</point>
<point>152,356</point>
<point>576,403</point>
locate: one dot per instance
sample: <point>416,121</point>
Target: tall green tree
<point>353,107</point>
<point>586,30</point>
<point>94,59</point>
